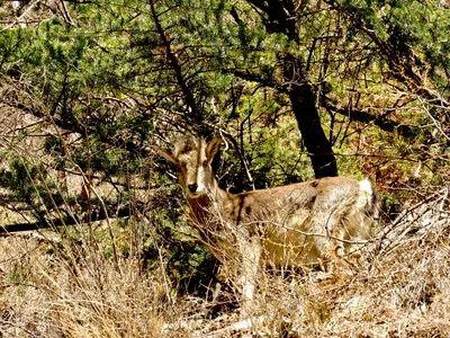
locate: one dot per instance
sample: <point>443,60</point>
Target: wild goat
<point>293,225</point>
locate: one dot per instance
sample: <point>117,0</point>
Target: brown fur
<point>293,225</point>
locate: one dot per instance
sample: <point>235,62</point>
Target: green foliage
<point>31,184</point>
<point>107,83</point>
<point>420,25</point>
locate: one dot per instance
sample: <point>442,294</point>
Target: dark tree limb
<point>70,220</point>
<point>381,121</point>
<point>363,115</point>
<point>278,17</point>
<point>188,95</point>
<point>266,81</point>
<point>72,126</point>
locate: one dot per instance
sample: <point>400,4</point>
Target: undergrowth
<point>52,286</point>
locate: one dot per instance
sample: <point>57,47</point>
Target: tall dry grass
<point>51,286</point>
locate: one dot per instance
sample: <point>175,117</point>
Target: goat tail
<point>367,199</point>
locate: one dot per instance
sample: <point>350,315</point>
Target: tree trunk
<point>319,148</point>
<point>303,101</point>
<point>278,18</point>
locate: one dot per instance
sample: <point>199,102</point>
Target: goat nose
<point>192,187</point>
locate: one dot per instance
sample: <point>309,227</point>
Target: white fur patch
<point>201,184</point>
<point>365,193</point>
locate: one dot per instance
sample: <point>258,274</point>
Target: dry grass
<point>58,288</point>
<point>44,294</point>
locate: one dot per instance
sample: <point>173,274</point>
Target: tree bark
<point>302,96</point>
<point>319,148</point>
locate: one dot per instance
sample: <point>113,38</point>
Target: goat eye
<point>205,163</point>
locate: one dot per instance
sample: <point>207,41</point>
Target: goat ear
<point>212,147</point>
<point>167,155</point>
